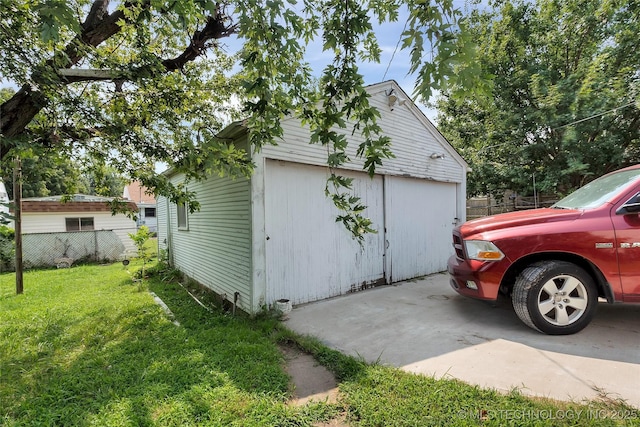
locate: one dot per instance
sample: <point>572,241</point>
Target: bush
<point>140,240</point>
<point>7,247</point>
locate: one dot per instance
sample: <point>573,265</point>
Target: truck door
<point>625,216</point>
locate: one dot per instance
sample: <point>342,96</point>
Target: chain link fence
<point>56,249</point>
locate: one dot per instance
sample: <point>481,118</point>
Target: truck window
<point>598,191</point>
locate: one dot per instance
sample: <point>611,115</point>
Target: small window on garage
<point>149,212</point>
<point>183,223</point>
<point>79,224</point>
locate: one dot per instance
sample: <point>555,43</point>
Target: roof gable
<point>79,203</point>
<point>398,99</point>
<point>421,150</point>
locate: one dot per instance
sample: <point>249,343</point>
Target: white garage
<point>275,236</point>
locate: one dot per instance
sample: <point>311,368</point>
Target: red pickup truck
<point>556,262</point>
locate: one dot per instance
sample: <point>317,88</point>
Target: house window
<point>79,224</point>
<point>183,224</point>
<point>149,212</point>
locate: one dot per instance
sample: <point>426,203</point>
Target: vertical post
<point>17,201</point>
<point>535,194</point>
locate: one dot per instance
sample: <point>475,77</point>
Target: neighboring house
<point>4,204</point>
<point>146,202</point>
<point>81,213</point>
<point>275,236</point>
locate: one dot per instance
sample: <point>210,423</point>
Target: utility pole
<point>17,201</point>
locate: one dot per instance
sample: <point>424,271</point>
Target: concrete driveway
<point>423,326</point>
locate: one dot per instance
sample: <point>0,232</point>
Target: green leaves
<point>352,218</point>
<point>54,16</point>
<point>442,53</point>
<point>561,73</point>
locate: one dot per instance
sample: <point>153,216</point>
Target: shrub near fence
<point>43,249</point>
<point>7,254</point>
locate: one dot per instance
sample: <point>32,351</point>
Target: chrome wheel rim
<point>562,300</point>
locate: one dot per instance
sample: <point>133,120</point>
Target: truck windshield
<point>598,191</point>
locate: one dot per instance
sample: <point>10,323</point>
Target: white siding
<point>215,250</point>
<point>150,221</point>
<point>309,256</point>
<point>4,199</point>
<point>44,222</point>
<point>163,219</point>
<point>413,137</point>
<point>420,217</point>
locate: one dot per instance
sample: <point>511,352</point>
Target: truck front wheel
<point>555,297</point>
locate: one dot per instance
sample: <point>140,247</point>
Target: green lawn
<point>84,346</point>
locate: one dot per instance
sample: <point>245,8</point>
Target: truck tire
<point>555,297</point>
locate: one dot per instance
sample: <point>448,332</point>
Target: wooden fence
<point>478,207</point>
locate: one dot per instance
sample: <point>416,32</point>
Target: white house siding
<point>151,222</point>
<point>162,212</point>
<point>4,200</point>
<point>216,249</point>
<point>309,256</point>
<point>414,140</point>
<point>43,222</point>
<point>419,219</point>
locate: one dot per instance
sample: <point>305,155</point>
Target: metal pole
<point>535,195</point>
<point>17,200</point>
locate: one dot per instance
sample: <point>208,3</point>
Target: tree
<point>103,180</point>
<point>47,174</point>
<point>163,83</point>
<point>563,106</point>
<point>140,239</point>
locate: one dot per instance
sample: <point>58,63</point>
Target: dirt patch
<point>310,380</point>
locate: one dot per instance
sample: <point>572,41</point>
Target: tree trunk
<point>16,114</point>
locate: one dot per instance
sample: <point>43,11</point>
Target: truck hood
<point>517,219</point>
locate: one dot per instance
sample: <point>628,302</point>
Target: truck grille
<point>457,246</point>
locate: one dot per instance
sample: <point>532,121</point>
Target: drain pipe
<point>236,296</point>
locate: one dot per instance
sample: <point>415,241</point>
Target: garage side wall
<point>215,247</point>
<point>164,221</point>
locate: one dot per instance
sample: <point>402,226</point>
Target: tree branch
<point>214,29</point>
<point>17,112</point>
<point>99,25</point>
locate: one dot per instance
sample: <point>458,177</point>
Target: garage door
<point>420,217</point>
<point>309,256</point>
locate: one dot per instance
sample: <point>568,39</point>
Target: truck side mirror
<point>631,206</point>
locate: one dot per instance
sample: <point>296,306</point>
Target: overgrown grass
<point>83,346</point>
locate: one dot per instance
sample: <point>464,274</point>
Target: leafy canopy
<point>169,82</point>
<point>564,104</point>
